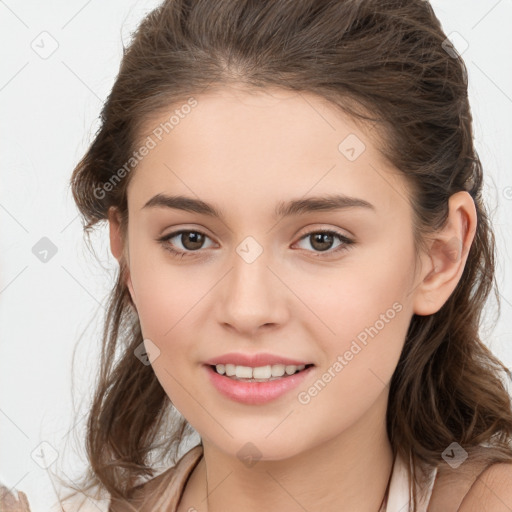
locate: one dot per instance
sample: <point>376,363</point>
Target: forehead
<point>251,147</point>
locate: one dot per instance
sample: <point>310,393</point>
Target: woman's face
<point>253,281</point>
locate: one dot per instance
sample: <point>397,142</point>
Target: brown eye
<point>192,240</point>
<point>321,241</point>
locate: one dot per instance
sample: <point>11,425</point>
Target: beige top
<point>164,491</point>
<point>401,488</point>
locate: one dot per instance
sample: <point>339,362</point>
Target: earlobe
<point>448,252</point>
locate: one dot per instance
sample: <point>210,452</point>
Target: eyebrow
<point>282,209</point>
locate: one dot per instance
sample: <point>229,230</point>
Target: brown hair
<point>387,57</point>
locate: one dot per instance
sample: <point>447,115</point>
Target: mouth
<point>257,385</point>
<point>266,373</point>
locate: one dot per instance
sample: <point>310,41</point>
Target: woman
<point>295,203</point>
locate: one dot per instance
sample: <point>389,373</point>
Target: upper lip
<point>254,360</point>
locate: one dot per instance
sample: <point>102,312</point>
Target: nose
<point>252,297</point>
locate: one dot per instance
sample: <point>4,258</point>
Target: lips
<point>256,393</point>
<point>255,360</point>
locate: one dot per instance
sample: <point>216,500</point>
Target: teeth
<point>261,372</point>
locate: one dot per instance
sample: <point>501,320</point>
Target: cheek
<point>346,300</point>
<point>165,292</point>
<point>167,302</point>
<point>369,322</point>
<point>361,312</point>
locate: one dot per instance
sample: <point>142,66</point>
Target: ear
<point>447,255</point>
<point>117,246</point>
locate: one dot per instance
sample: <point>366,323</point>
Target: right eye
<point>190,240</point>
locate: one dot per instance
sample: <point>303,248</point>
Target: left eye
<point>323,240</point>
<point>192,241</point>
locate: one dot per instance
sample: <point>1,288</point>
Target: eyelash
<point>345,246</point>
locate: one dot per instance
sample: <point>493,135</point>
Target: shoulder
<point>163,491</point>
<point>478,488</point>
<point>491,491</point>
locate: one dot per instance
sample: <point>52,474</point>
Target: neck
<point>349,472</point>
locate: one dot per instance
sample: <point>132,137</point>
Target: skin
<point>245,151</point>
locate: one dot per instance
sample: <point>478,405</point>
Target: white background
<point>49,111</point>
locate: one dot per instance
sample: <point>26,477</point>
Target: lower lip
<point>255,393</point>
